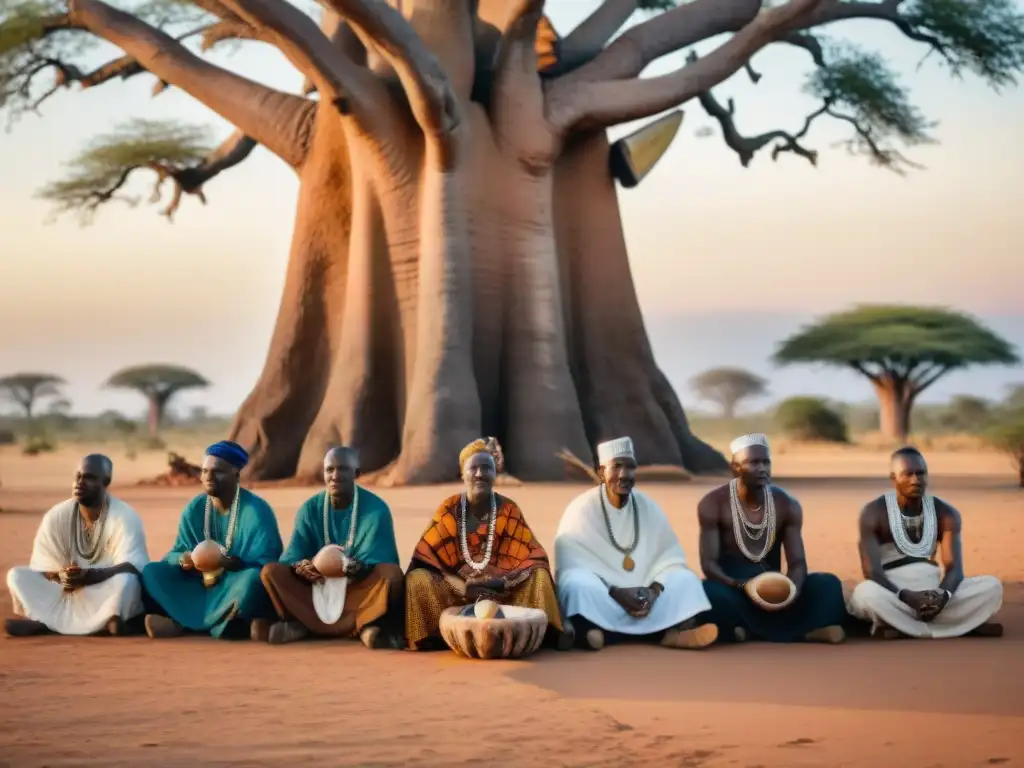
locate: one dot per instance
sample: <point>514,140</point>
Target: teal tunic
<point>238,594</point>
<point>375,530</point>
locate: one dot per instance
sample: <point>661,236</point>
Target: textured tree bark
<point>895,401</point>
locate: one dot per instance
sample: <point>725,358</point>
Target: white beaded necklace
<point>492,521</point>
<point>351,523</point>
<point>88,541</point>
<point>898,526</point>
<point>232,519</point>
<point>754,531</point>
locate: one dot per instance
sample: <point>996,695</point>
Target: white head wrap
<point>619,448</point>
<point>743,442</point>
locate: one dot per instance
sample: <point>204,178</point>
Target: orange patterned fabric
<point>515,549</point>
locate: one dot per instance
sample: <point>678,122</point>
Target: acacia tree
<point>458,265</point>
<point>728,387</point>
<point>901,350</point>
<point>158,383</point>
<point>26,389</point>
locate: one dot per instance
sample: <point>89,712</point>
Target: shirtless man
<point>744,527</point>
<point>906,593</point>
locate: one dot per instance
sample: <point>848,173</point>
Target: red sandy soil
<point>195,701</point>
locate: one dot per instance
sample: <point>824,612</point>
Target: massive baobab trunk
<point>458,266</point>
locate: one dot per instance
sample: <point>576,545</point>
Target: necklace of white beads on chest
<point>347,547</point>
<point>491,522</point>
<point>232,519</point>
<point>743,529</point>
<point>899,525</point>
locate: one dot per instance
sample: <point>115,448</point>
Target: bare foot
<point>282,632</point>
<point>115,626</point>
<point>162,627</point>
<point>370,637</point>
<point>691,639</point>
<point>988,629</point>
<point>595,639</point>
<point>22,627</point>
<point>832,635</point>
<point>259,630</point>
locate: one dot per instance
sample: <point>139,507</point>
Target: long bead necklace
<point>232,519</point>
<point>351,523</point>
<point>627,552</point>
<point>88,541</point>
<point>743,529</point>
<point>491,523</point>
<point>898,524</point>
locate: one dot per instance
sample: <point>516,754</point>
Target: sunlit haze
<point>753,252</point>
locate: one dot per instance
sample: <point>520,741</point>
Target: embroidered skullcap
<point>232,453</point>
<point>477,446</point>
<point>619,448</point>
<point>743,442</point>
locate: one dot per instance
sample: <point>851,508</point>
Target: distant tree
<point>1008,436</point>
<point>811,418</point>
<point>158,383</point>
<point>59,407</point>
<point>26,389</point>
<point>967,413</point>
<point>901,350</point>
<point>728,387</point>
<point>1014,397</point>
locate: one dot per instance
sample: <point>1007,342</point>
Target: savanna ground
<point>125,702</point>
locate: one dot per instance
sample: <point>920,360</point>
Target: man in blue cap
<point>230,600</point>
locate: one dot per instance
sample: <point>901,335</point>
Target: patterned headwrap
<point>232,453</point>
<point>490,446</point>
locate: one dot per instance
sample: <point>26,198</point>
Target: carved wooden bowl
<point>330,561</point>
<point>518,634</point>
<point>206,556</point>
<point>771,591</point>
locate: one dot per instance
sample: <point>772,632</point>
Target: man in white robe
<point>619,566</point>
<point>83,576</point>
<point>906,593</point>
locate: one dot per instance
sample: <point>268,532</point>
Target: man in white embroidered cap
<point>620,571</point>
<point>745,526</point>
<point>913,564</point>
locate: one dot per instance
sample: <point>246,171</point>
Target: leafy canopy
<point>25,388</point>
<point>728,386</point>
<point>897,339</point>
<point>157,380</point>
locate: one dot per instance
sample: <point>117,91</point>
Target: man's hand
<point>353,567</point>
<point>921,602</point>
<point>230,562</point>
<point>935,601</point>
<point>306,571</point>
<point>636,601</point>
<point>483,587</point>
<point>185,561</point>
<point>72,578</point>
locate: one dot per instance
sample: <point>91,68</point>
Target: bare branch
<point>890,159</point>
<point>747,146</point>
<point>875,378</point>
<point>446,27</point>
<point>808,42</point>
<point>592,105</point>
<point>308,49</point>
<point>426,85</point>
<point>281,122</point>
<point>929,377</point>
<point>588,39</point>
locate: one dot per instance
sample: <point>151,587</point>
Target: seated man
<point>906,593</point>
<point>477,545</point>
<point>620,568</point>
<point>244,525</point>
<point>744,526</point>
<point>83,577</point>
<point>368,600</point>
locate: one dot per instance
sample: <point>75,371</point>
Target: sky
<point>726,260</point>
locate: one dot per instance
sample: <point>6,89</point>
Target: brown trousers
<point>366,600</point>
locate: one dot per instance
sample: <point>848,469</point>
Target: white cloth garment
<point>587,564</point>
<point>976,600</point>
<point>88,609</point>
<point>329,599</point>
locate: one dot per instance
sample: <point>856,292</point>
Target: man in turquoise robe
<point>368,597</point>
<point>229,603</point>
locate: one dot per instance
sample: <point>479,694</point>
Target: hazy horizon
<point>745,254</point>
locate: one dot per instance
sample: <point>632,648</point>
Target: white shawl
<point>124,539</point>
<point>582,541</point>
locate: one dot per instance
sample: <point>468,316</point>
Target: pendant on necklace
<point>628,563</point>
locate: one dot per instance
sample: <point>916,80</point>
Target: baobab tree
<point>158,383</point>
<point>458,265</point>
<point>727,387</point>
